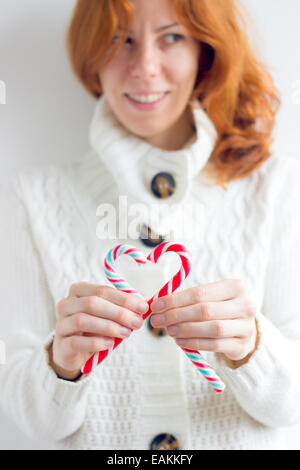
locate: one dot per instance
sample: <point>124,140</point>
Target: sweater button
<point>157,332</point>
<point>150,238</point>
<point>163,185</point>
<point>164,441</point>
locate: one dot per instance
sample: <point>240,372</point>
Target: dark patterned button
<point>163,185</point>
<point>164,441</point>
<point>158,332</point>
<point>150,238</point>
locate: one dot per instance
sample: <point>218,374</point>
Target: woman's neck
<point>177,136</point>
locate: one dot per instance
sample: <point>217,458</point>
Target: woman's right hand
<point>88,321</point>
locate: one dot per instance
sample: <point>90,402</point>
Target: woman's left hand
<point>218,317</point>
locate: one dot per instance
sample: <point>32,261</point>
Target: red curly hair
<point>233,86</point>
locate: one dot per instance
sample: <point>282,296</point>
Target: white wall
<point>47,113</point>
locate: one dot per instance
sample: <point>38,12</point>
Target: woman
<point>183,120</point>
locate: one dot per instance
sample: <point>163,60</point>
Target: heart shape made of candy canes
<point>171,286</point>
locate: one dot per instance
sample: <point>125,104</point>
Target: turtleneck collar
<point>133,162</point>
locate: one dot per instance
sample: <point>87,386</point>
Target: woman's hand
<point>88,321</point>
<point>218,317</point>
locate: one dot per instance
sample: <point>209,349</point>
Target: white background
<point>47,113</point>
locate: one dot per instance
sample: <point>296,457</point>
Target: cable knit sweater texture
<point>49,239</point>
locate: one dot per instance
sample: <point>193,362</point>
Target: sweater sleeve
<point>42,405</point>
<point>268,386</point>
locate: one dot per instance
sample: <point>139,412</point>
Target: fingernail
<point>158,305</point>
<point>136,322</point>
<point>172,330</point>
<point>124,331</point>
<point>158,319</point>
<point>109,342</point>
<point>142,307</point>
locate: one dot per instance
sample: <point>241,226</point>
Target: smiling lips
<point>146,98</point>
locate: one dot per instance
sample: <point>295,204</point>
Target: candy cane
<point>197,359</point>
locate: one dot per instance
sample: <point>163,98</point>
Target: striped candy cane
<point>197,359</point>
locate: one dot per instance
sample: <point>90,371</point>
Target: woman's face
<point>154,62</point>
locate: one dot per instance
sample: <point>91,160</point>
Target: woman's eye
<point>117,38</point>
<point>177,36</point>
<point>128,39</point>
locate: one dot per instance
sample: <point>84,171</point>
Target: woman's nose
<point>145,61</point>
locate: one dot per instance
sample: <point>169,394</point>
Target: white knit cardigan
<point>49,240</point>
